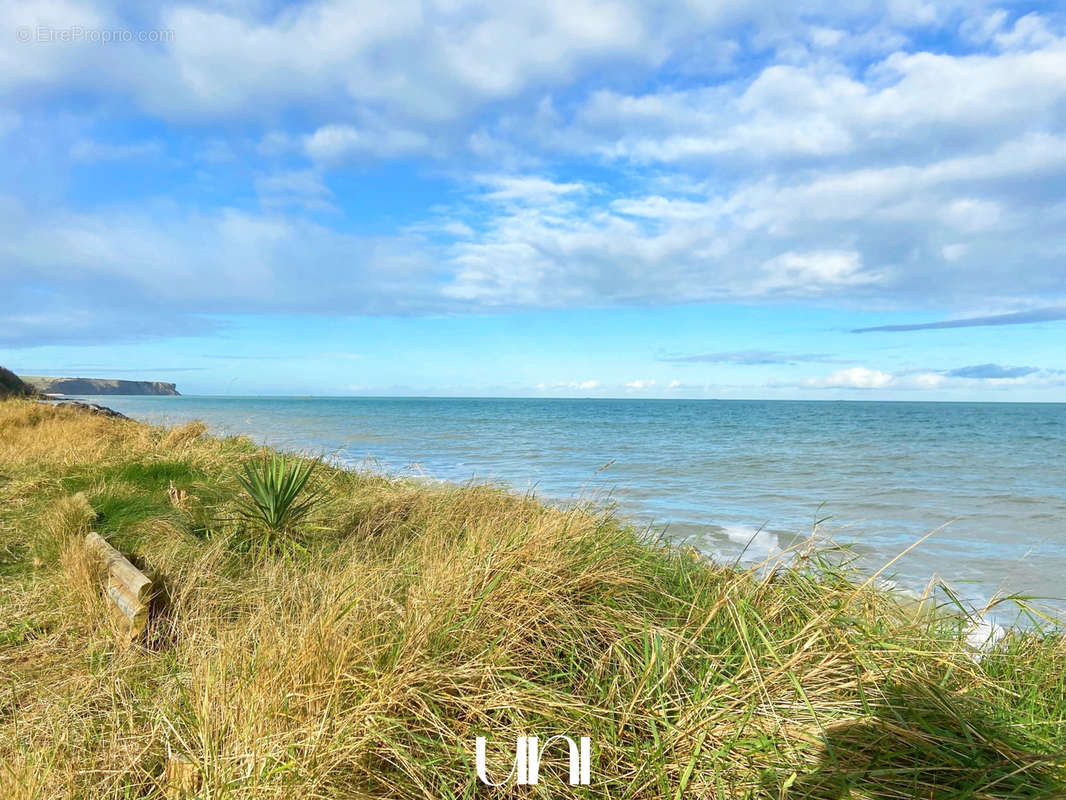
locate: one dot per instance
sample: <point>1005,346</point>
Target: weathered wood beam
<point>128,589</point>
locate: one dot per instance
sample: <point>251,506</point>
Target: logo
<point>528,753</point>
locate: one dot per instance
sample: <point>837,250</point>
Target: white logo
<point>527,760</point>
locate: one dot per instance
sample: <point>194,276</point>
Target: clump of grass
<point>274,492</point>
<point>185,434</point>
<point>430,616</point>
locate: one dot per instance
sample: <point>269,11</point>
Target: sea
<point>741,480</point>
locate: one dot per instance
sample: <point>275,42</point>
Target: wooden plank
<point>128,589</point>
<point>123,627</point>
<point>119,568</point>
<point>126,602</point>
<point>135,582</point>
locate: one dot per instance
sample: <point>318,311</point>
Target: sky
<point>839,200</point>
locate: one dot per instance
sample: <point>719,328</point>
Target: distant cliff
<point>89,386</point>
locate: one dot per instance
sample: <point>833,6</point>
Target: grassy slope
<point>419,618</point>
<point>12,385</point>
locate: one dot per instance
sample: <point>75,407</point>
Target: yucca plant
<point>274,488</point>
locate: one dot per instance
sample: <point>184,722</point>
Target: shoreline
<point>678,502</point>
<point>985,629</point>
<point>396,609</point>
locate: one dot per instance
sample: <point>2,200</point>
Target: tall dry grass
<point>419,618</point>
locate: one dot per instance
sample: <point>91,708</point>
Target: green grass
<point>275,495</point>
<point>414,619</point>
<point>151,476</point>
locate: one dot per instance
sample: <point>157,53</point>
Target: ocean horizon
<point>737,479</point>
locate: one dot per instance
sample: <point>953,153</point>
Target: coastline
<point>983,630</point>
<point>466,610</point>
<point>714,475</point>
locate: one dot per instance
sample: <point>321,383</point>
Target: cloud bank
<point>577,155</point>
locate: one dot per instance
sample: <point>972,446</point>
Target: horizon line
<point>306,396</point>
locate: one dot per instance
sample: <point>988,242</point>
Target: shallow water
<point>725,475</point>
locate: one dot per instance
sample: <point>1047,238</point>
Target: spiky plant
<point>274,487</point>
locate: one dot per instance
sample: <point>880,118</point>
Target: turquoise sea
<point>734,478</point>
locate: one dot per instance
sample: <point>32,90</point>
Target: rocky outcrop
<point>92,408</point>
<point>94,386</point>
<point>11,385</point>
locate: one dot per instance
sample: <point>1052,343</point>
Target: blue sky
<point>555,199</point>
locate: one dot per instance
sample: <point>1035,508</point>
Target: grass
<point>414,619</point>
<point>274,492</point>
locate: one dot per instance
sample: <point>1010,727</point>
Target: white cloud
<point>661,208</point>
<point>841,195</point>
<point>456,228</point>
<point>333,143</point>
<point>987,377</point>
<point>640,385</point>
<point>432,61</point>
<point>928,380</point>
<point>982,26</point>
<point>791,114</point>
<point>153,262</point>
<point>527,188</point>
<point>428,69</point>
<point>300,188</point>
<point>1030,31</point>
<point>854,169</point>
<point>812,273</point>
<point>568,386</point>
<point>826,37</point>
<point>870,233</point>
<point>852,378</point>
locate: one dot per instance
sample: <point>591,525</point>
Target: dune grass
<point>411,620</point>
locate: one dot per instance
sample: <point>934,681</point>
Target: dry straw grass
<point>414,619</point>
